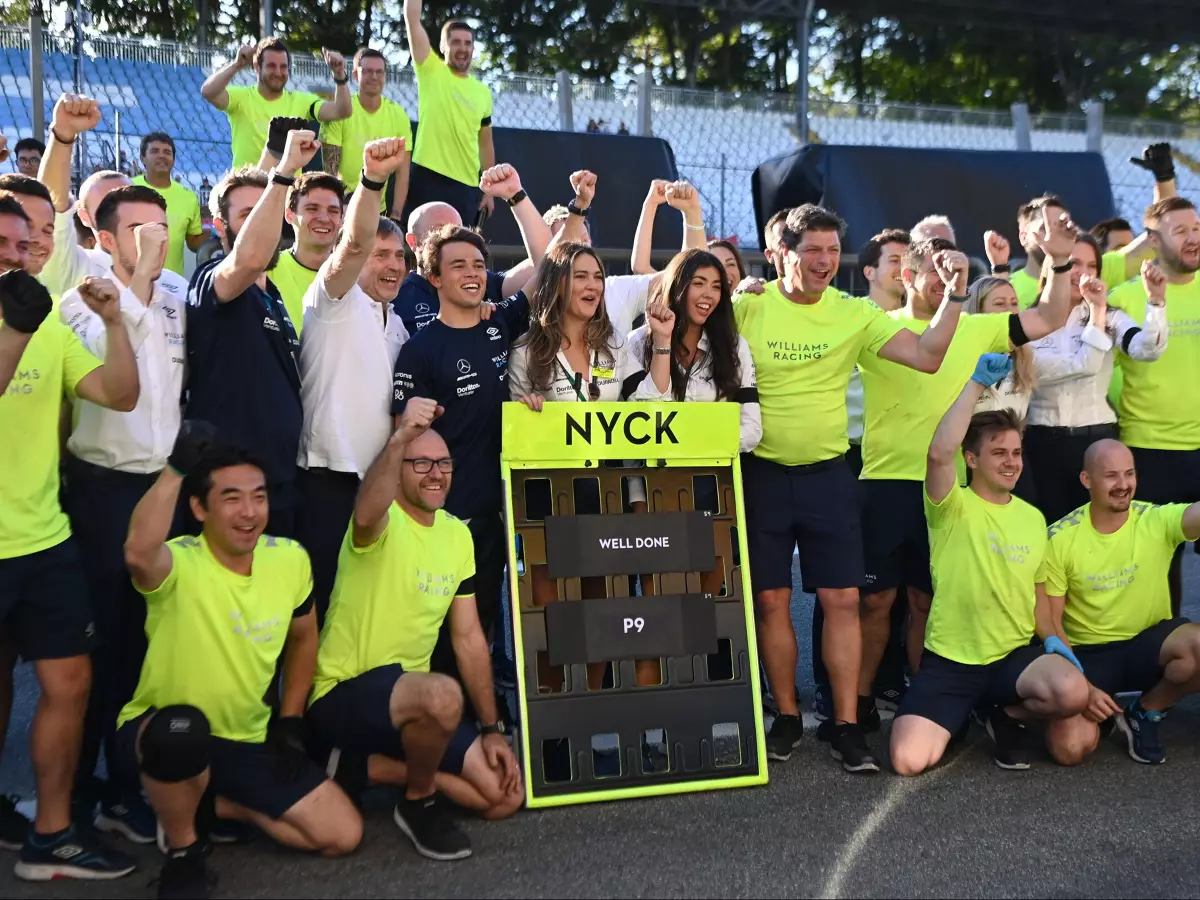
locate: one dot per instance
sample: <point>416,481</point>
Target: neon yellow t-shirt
<point>183,219</point>
<point>1115,585</point>
<point>215,636</point>
<point>902,407</point>
<point>389,599</point>
<point>450,111</point>
<point>1151,412</point>
<point>1025,287</point>
<point>803,357</point>
<point>250,115</point>
<point>362,127</point>
<point>293,279</point>
<point>53,363</point>
<point>1112,272</point>
<point>985,560</point>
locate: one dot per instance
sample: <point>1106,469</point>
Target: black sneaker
<point>1140,727</point>
<point>14,827</point>
<point>1010,736</point>
<point>784,737</point>
<point>889,696</point>
<point>132,819</point>
<point>185,876</point>
<point>868,715</point>
<point>74,853</point>
<point>428,824</point>
<point>848,745</point>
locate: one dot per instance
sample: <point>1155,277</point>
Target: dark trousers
<point>326,505</point>
<point>100,504</point>
<point>428,186</point>
<point>1055,458</point>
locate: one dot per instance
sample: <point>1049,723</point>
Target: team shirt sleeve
<point>1144,343</point>
<point>1056,578</point>
<point>466,578</point>
<point>311,104</point>
<point>77,361</point>
<point>166,590</point>
<point>1168,522</point>
<point>514,312</point>
<point>751,416</point>
<point>1112,269</point>
<point>304,582</point>
<point>236,95</point>
<point>195,221</point>
<point>944,514</point>
<point>879,328</point>
<point>331,132</point>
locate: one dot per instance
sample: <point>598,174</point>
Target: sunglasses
<point>424,466</point>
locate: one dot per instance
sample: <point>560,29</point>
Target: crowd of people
<point>251,524</point>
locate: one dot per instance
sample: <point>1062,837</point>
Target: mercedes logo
<point>463,367</point>
<point>422,307</point>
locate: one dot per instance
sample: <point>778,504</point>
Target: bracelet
<point>60,140</point>
<point>518,197</point>
<point>1064,268</point>
<point>341,80</point>
<point>693,227</point>
<point>1001,269</point>
<point>575,210</point>
<point>957,299</point>
<point>662,351</point>
<point>279,178</point>
<point>369,184</point>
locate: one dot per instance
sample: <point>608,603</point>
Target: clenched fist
<point>24,302</point>
<point>419,415</point>
<point>657,194</point>
<point>1056,237</point>
<point>501,181</point>
<point>583,183</point>
<point>383,157</point>
<point>298,150</point>
<point>245,55</point>
<point>73,115</point>
<point>1154,282</point>
<point>683,196</point>
<point>661,321</point>
<point>953,268</point>
<point>995,246</point>
<point>335,61</point>
<point>151,240</point>
<point>102,298</point>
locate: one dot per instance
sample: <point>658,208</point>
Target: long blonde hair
<point>1024,372</point>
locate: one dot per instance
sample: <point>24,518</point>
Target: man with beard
<point>1163,432</point>
<point>1106,580</point>
<point>251,109</point>
<point>454,137</point>
<point>183,209</point>
<point>242,347</point>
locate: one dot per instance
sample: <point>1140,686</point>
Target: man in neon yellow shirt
<point>375,117</point>
<point>314,210</point>
<point>1106,581</point>
<point>250,109</point>
<point>223,611</point>
<point>988,553</point>
<point>901,411</point>
<point>806,337</point>
<point>1162,431</point>
<point>454,119</point>
<point>184,224</point>
<point>406,566</point>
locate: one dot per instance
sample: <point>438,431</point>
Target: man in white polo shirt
<point>112,460</point>
<point>351,339</point>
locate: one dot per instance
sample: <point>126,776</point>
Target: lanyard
<point>575,379</point>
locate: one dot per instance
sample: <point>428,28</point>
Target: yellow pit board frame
<point>628,693</point>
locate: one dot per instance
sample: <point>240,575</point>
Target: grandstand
<point>717,138</point>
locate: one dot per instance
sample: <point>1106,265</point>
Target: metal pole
<point>1022,131</point>
<point>566,106</point>
<point>1095,126</point>
<point>77,47</point>
<point>266,18</point>
<point>117,140</point>
<point>803,34</point>
<point>36,87</point>
<point>723,232</point>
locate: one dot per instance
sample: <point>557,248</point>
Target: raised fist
<point>1094,291</point>
<point>383,157</point>
<point>191,444</point>
<point>151,240</point>
<point>277,132</point>
<point>24,302</point>
<point>583,183</point>
<point>683,196</point>
<point>73,115</point>
<point>335,61</point>
<point>992,369</point>
<point>1154,282</point>
<point>1056,237</point>
<point>500,181</point>
<point>419,414</point>
<point>661,321</point>
<point>102,298</point>
<point>299,149</point>
<point>657,194</point>
<point>750,285</point>
<point>953,268</point>
<point>995,245</point>
<point>245,55</point>
<point>1156,159</point>
<point>3,148</point>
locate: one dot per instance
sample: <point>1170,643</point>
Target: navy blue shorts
<point>945,691</point>
<point>44,603</point>
<point>1126,666</point>
<point>895,535</point>
<point>813,508</point>
<point>355,717</point>
<point>241,772</point>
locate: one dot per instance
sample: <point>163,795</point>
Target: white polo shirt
<point>69,264</point>
<point>625,298</point>
<point>347,358</point>
<point>138,441</point>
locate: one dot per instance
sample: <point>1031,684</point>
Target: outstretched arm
<point>214,89</point>
<point>379,486</point>
<point>925,352</point>
<point>941,471</point>
<point>1056,239</point>
<point>418,38</point>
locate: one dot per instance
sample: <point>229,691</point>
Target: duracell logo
<point>636,426</point>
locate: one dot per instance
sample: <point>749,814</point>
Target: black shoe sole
<point>1131,744</point>
<point>866,767</point>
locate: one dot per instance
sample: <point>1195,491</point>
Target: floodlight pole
<point>803,35</point>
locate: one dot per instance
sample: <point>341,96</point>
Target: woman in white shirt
<point>1070,410</point>
<point>991,294</point>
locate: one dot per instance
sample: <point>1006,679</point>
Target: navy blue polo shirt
<point>417,302</point>
<point>242,371</point>
<point>466,371</point>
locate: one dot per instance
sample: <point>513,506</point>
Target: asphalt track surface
<point>1111,828</point>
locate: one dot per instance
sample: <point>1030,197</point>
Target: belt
<point>807,468</point>
<point>1093,431</point>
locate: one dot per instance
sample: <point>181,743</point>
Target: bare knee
<point>1071,741</point>
<point>1067,691</point>
<point>65,680</point>
<point>839,602</point>
<point>878,603</point>
<point>346,837</point>
<point>442,701</point>
<point>772,603</point>
<point>505,807</point>
<point>909,759</point>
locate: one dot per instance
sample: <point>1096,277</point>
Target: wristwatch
<point>576,211</point>
<point>279,178</point>
<point>497,728</point>
<point>517,197</point>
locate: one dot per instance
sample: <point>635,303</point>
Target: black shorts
<point>240,772</point>
<point>812,507</point>
<point>44,604</point>
<point>1126,666</point>
<point>945,691</point>
<point>355,717</point>
<point>895,535</point>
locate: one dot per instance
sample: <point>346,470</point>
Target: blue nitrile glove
<point>1054,644</point>
<point>992,368</point>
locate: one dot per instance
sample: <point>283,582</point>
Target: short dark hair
<point>1031,211</point>
<point>985,424</point>
<point>25,186</point>
<point>389,228</point>
<point>410,258</point>
<point>107,212</point>
<point>29,143</point>
<point>313,181</point>
<point>732,248</point>
<point>872,250</point>
<point>806,218</point>
<point>431,249</point>
<point>916,254</point>
<point>1156,211</point>
<point>456,25</point>
<point>367,53</point>
<point>267,44</point>
<point>1102,229</point>
<point>199,481</point>
<point>10,206</point>
<point>246,176</point>
<point>156,137</point>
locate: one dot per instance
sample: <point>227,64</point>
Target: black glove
<point>24,301</point>
<point>278,132</point>
<point>194,438</point>
<point>1156,159</point>
<point>286,737</point>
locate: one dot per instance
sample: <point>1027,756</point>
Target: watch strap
<point>1064,268</point>
<point>278,177</point>
<point>518,197</point>
<point>496,728</point>
<point>1001,269</point>
<point>369,184</point>
<point>575,210</point>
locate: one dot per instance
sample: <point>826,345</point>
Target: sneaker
<point>135,820</point>
<point>428,824</point>
<point>185,876</point>
<point>228,831</point>
<point>73,853</point>
<point>888,697</point>
<point>868,715</point>
<point>784,737</point>
<point>823,702</point>
<point>1011,751</point>
<point>14,827</point>
<point>1140,727</point>
<point>848,745</point>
